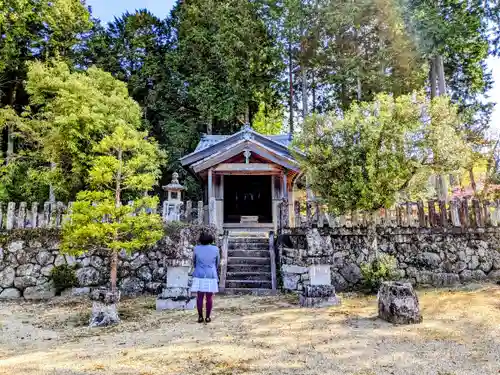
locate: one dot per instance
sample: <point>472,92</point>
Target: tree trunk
<point>437,68</point>
<point>118,202</point>
<point>247,114</point>
<point>10,128</point>
<point>290,78</point>
<point>305,110</point>
<point>440,73</point>
<point>10,143</point>
<point>114,270</point>
<point>359,88</point>
<point>209,126</point>
<point>442,185</point>
<point>433,77</point>
<point>472,181</point>
<point>52,194</point>
<point>313,87</point>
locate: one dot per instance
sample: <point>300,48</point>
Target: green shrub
<point>383,268</point>
<point>63,277</point>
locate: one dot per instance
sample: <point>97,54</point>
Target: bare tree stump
<point>398,303</point>
<point>104,307</point>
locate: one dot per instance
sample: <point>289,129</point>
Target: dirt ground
<point>257,335</point>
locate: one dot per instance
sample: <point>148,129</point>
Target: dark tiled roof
<point>210,140</point>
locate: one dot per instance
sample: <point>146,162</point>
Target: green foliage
<point>96,222</point>
<point>125,161</point>
<point>69,114</point>
<point>128,162</point>
<point>269,122</point>
<point>380,269</point>
<point>459,31</point>
<point>364,159</point>
<point>63,277</point>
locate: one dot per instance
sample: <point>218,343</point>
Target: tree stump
<point>398,303</point>
<point>104,309</point>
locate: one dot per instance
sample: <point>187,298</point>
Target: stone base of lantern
<point>319,296</point>
<point>175,299</point>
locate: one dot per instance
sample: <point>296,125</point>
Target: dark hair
<point>206,239</point>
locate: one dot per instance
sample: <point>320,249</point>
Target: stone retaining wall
<point>27,258</point>
<point>425,256</point>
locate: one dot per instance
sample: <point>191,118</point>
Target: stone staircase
<point>249,264</point>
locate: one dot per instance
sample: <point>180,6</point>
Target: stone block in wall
<point>10,293</point>
<point>40,292</point>
<point>478,275</point>
<point>428,260</point>
<point>486,265</point>
<point>47,270</point>
<point>88,276</point>
<point>494,275</point>
<point>15,246</point>
<point>7,277</point>
<point>60,260</point>
<point>496,261</point>
<point>318,244</point>
<point>339,282</point>
<point>144,273</point>
<point>351,273</point>
<point>23,282</point>
<point>44,258</point>
<point>473,263</point>
<point>131,287</point>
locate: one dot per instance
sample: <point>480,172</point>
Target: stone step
<point>248,234</point>
<point>243,253</point>
<point>247,260</point>
<point>248,240</point>
<point>264,276</point>
<point>249,291</point>
<point>254,284</point>
<point>248,246</point>
<point>248,268</point>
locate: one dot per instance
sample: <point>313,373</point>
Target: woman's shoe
<point>208,320</point>
<point>200,319</point>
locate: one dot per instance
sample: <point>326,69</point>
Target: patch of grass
<point>364,372</point>
<point>225,367</point>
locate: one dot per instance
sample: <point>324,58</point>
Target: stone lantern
<point>174,189</point>
<point>172,206</point>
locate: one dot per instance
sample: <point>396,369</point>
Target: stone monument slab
<point>177,277</point>
<point>320,275</point>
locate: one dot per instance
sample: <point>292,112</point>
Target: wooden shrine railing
<point>463,213</point>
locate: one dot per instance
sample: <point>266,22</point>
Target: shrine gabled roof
<point>214,147</point>
<point>210,140</point>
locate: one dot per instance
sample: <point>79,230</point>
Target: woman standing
<point>205,280</point>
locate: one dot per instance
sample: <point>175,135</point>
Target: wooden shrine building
<point>245,176</point>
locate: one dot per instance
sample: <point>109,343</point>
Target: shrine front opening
<point>247,196</point>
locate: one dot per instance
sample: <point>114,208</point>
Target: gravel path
<point>251,335</point>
